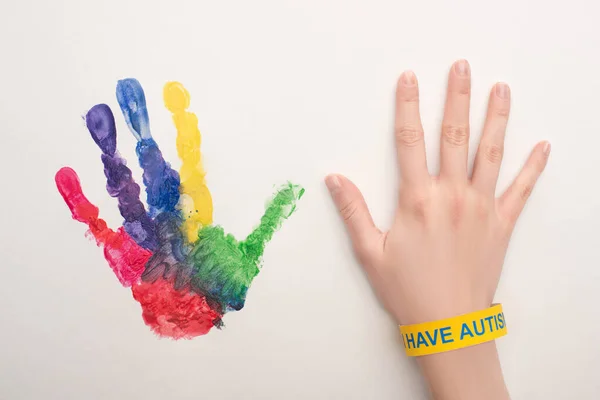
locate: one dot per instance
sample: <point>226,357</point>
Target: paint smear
<point>125,257</point>
<point>172,313</point>
<point>196,201</point>
<point>185,272</point>
<point>223,267</point>
<point>119,180</point>
<point>161,181</point>
<point>169,312</point>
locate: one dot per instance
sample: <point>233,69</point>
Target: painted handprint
<point>184,271</point>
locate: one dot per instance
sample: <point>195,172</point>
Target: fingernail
<point>547,149</point>
<point>462,68</point>
<point>333,183</point>
<point>502,91</point>
<point>409,78</point>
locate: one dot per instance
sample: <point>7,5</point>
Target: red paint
<point>126,258</point>
<point>178,314</point>
<point>169,312</point>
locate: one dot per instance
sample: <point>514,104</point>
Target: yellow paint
<point>196,201</point>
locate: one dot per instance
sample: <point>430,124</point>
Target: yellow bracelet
<point>454,333</point>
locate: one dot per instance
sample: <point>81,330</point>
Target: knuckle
<point>457,204</point>
<point>455,135</point>
<point>420,206</point>
<point>348,210</point>
<point>408,95</point>
<point>464,89</point>
<point>525,190</point>
<point>408,135</point>
<point>483,206</point>
<point>493,153</point>
<point>502,111</point>
<point>460,86</point>
<point>417,203</point>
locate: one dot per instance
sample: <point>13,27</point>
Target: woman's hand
<point>444,252</point>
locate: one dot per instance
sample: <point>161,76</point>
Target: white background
<point>289,89</point>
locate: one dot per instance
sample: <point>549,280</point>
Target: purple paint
<point>119,180</point>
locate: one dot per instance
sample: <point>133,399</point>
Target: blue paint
<point>162,181</point>
<point>132,101</point>
<point>171,236</point>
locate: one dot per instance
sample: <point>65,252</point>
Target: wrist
<point>468,373</point>
<point>437,309</point>
<point>454,333</point>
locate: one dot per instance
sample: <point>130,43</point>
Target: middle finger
<point>455,126</point>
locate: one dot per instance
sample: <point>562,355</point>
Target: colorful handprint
<point>185,272</point>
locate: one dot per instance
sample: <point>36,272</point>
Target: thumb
<point>353,209</point>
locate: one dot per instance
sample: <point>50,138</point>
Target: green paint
<point>223,266</point>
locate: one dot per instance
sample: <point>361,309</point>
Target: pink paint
<point>125,257</point>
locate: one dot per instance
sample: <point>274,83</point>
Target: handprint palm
<point>184,271</point>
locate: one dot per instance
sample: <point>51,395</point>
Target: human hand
<point>184,271</point>
<point>444,252</point>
